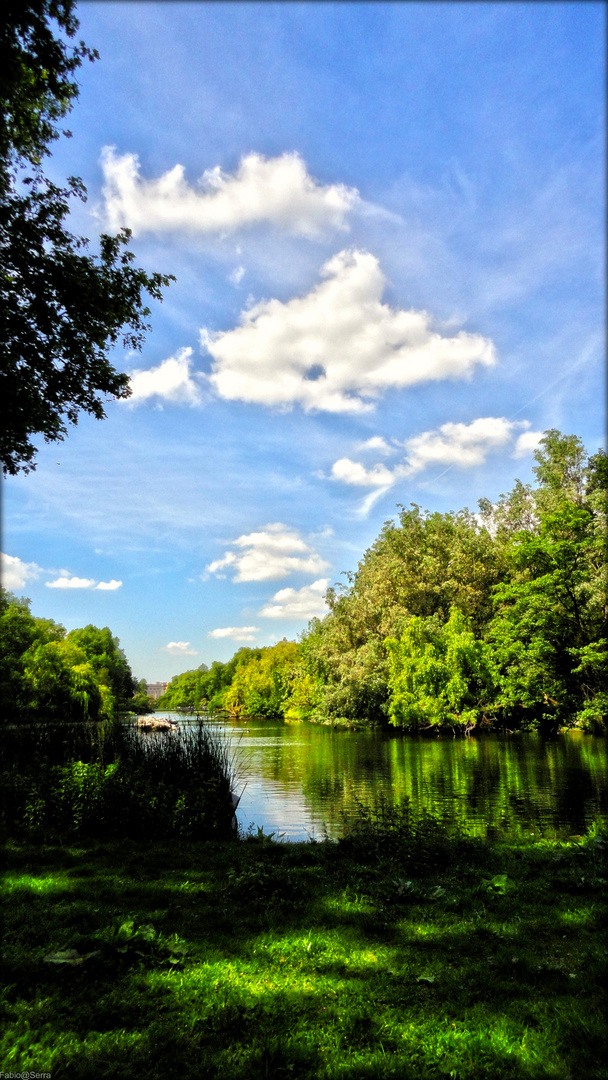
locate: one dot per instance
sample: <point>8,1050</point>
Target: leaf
<point>426,979</point>
<point>69,956</point>
<point>402,886</point>
<point>179,948</point>
<point>498,884</point>
<point>146,933</point>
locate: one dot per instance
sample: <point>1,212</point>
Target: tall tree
<point>63,308</point>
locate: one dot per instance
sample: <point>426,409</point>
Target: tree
<point>261,685</point>
<point>19,632</point>
<point>550,630</point>
<point>62,684</point>
<point>45,672</point>
<point>421,565</point>
<point>64,309</point>
<point>103,652</point>
<point>440,674</point>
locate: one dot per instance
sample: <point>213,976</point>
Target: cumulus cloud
<point>279,191</point>
<point>172,381</point>
<point>352,472</point>
<point>338,348</point>
<point>527,443</point>
<point>273,552</point>
<point>460,445</point>
<point>463,445</point>
<point>15,573</point>
<point>179,648</point>
<point>305,603</point>
<point>378,444</point>
<point>65,581</point>
<point>235,633</point>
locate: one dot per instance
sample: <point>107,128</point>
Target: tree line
<point>497,618</point>
<point>49,674</point>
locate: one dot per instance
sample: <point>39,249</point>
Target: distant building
<point>156,689</point>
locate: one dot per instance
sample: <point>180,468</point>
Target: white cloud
<point>273,552</point>
<point>16,573</point>
<point>237,275</point>
<point>461,445</point>
<point>235,633</point>
<point>277,190</point>
<point>179,648</point>
<point>378,444</point>
<point>338,347</point>
<point>527,443</point>
<point>464,445</point>
<point>64,581</point>
<point>305,603</point>
<point>352,472</point>
<point>171,381</point>
<point>67,582</point>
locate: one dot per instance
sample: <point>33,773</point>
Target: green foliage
<point>421,565</point>
<point>48,674</point>
<point>60,683</point>
<point>64,309</point>
<point>108,661</point>
<point>37,88</point>
<point>451,619</point>
<point>204,688</point>
<point>550,629</point>
<point>19,632</point>
<point>528,573</point>
<point>261,685</point>
<point>439,674</point>
<point>116,781</point>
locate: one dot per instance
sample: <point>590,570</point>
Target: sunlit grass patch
<point>257,960</point>
<point>34,883</point>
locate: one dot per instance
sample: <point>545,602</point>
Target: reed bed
<point>116,781</point>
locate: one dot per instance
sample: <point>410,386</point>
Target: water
<point>303,780</point>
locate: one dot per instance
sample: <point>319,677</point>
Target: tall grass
<point>116,781</point>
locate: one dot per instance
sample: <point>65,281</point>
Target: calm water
<point>303,779</point>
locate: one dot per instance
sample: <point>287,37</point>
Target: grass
<point>398,952</point>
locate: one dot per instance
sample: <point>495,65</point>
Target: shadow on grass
<point>445,958</point>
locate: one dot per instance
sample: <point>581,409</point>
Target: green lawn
<point>376,957</point>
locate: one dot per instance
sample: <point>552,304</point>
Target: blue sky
<point>386,222</point>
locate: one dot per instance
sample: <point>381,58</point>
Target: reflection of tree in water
<point>496,784</point>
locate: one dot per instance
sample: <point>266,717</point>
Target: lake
<point>303,780</point>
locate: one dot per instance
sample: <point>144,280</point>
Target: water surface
<point>303,780</point>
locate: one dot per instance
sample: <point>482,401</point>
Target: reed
<point>116,781</point>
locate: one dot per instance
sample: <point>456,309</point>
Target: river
<point>306,780</point>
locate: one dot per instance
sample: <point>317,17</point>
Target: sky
<point>386,222</point>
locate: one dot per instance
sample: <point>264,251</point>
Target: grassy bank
<point>395,953</point>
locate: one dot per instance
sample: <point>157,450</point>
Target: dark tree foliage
<point>63,308</point>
